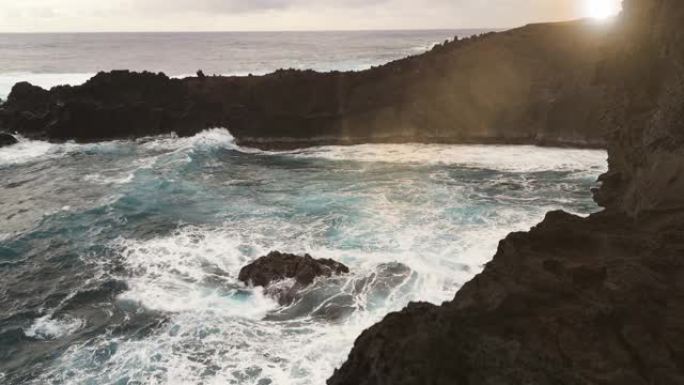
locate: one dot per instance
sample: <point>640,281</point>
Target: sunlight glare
<point>602,9</point>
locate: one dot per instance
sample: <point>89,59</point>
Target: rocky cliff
<point>535,84</point>
<point>595,300</point>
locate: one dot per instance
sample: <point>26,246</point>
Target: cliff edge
<point>595,300</point>
<point>531,85</point>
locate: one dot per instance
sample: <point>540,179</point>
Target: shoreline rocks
<point>574,301</point>
<point>277,267</point>
<point>458,92</point>
<point>7,140</point>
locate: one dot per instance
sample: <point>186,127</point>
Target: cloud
<point>193,15</point>
<point>244,6</point>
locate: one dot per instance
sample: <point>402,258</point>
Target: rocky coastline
<point>595,300</point>
<point>498,88</point>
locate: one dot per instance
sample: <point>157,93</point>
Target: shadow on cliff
<point>531,85</point>
<point>595,300</point>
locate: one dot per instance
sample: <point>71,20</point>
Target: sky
<point>279,15</point>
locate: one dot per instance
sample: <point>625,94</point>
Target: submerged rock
<point>270,271</point>
<point>7,140</point>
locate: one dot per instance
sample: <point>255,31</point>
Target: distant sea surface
<point>71,58</point>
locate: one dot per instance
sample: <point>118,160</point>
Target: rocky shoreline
<point>494,88</point>
<point>595,300</point>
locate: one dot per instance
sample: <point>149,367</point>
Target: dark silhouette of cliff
<point>595,300</point>
<point>532,85</point>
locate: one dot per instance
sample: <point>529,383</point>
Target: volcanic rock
<point>7,140</point>
<point>531,85</point>
<point>275,267</point>
<point>574,301</point>
<point>595,300</point>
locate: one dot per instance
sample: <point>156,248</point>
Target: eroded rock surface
<point>276,267</point>
<point>532,85</point>
<point>574,301</point>
<point>595,300</point>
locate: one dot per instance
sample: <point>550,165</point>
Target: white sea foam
<point>494,157</point>
<point>48,328</point>
<point>210,138</point>
<point>31,150</point>
<point>25,151</point>
<point>189,271</point>
<point>442,226</point>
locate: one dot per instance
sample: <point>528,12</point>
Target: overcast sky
<point>275,15</point>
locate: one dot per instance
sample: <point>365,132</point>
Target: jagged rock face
<point>7,140</point>
<point>535,85</point>
<point>277,266</point>
<point>645,75</point>
<point>574,301</point>
<point>114,105</point>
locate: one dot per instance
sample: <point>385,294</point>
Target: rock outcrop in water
<point>7,140</point>
<point>276,266</point>
<point>595,300</point>
<point>533,85</point>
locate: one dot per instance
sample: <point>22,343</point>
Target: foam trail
<point>499,157</point>
<point>25,151</point>
<point>48,328</point>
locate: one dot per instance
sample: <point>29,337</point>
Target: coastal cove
<point>445,218</point>
<point>130,272</point>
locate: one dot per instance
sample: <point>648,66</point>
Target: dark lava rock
<point>7,140</point>
<point>544,94</point>
<point>575,301</point>
<point>277,266</point>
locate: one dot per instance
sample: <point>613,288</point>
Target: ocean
<point>119,260</point>
<point>72,58</point>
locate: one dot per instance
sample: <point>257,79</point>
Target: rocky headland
<point>597,300</point>
<point>531,85</point>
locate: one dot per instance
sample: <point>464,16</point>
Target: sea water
<point>119,260</point>
<point>48,60</point>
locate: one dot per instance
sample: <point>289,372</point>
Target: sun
<point>601,9</point>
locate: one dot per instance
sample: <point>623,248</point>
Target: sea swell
<point>119,260</point>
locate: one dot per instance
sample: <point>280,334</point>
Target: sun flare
<point>602,9</point>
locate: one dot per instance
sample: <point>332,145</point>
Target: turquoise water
<point>118,260</point>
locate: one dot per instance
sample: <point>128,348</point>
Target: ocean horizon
<point>50,59</point>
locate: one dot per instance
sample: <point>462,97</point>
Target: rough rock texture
<point>7,140</point>
<point>596,300</point>
<point>574,301</point>
<point>645,72</point>
<point>278,266</point>
<point>534,84</point>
